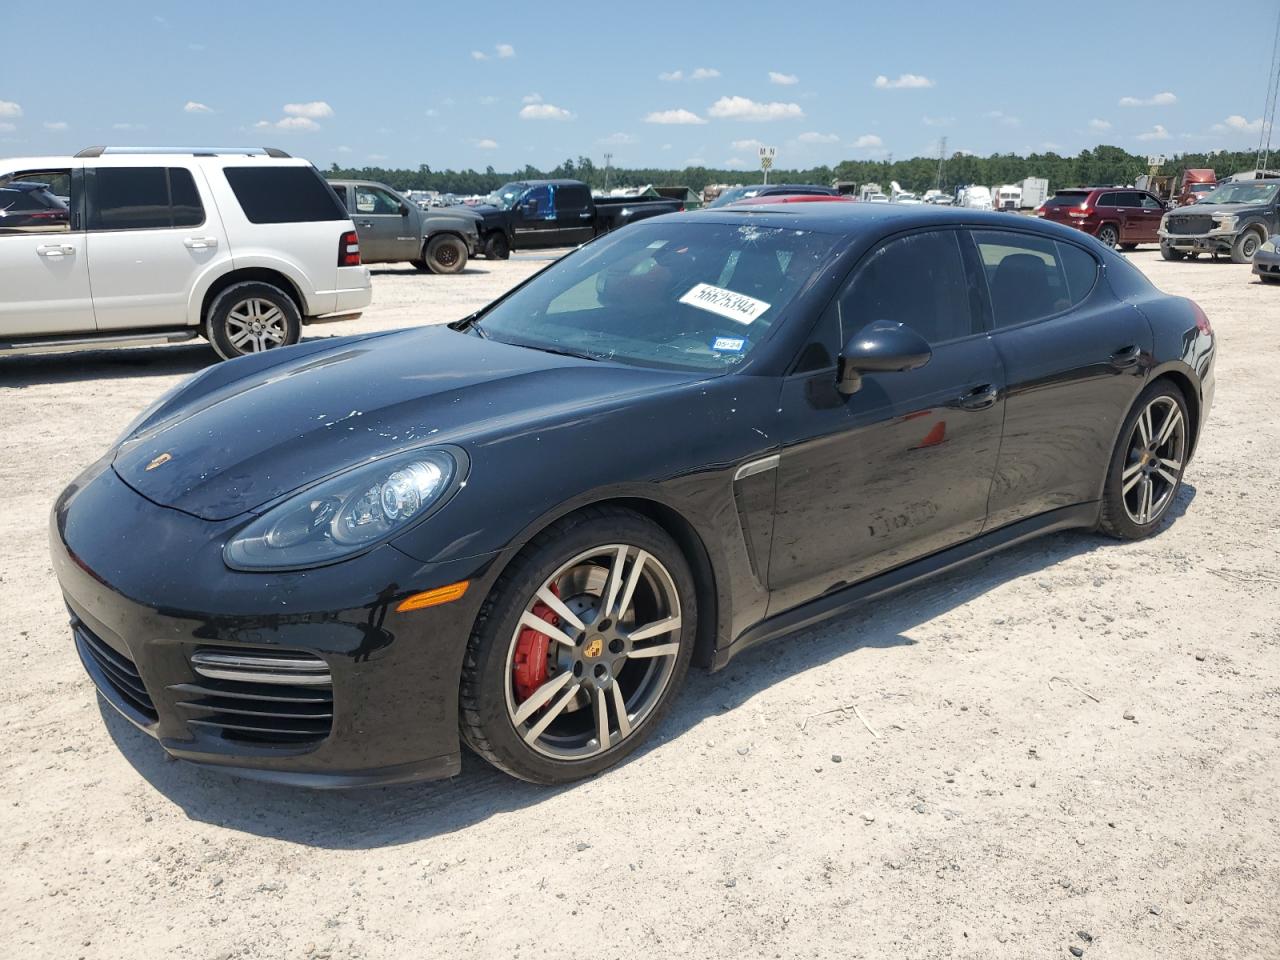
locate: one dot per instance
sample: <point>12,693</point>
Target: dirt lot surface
<point>1004,807</point>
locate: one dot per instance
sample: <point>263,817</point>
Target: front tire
<point>1108,235</point>
<point>446,254</point>
<point>1245,247</point>
<point>1146,468</point>
<point>496,247</point>
<point>1128,247</point>
<point>580,648</point>
<point>1169,252</point>
<point>251,317</point>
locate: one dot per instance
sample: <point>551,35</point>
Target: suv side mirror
<point>404,209</point>
<point>879,347</point>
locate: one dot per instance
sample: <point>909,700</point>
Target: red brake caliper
<point>530,669</point>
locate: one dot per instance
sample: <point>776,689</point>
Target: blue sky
<point>655,84</point>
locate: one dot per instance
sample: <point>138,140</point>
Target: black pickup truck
<point>1235,219</point>
<point>526,214</point>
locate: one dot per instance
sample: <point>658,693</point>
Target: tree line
<point>1101,165</point>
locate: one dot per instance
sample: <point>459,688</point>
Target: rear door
<point>44,264</point>
<point>153,234</point>
<point>1075,359</point>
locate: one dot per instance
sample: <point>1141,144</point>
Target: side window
<point>184,198</point>
<point>1030,277</point>
<point>35,201</point>
<point>571,200</point>
<point>1109,200</point>
<point>129,198</point>
<point>341,191</point>
<point>1151,203</point>
<point>284,194</point>
<point>373,201</point>
<point>918,280</point>
<point>539,202</point>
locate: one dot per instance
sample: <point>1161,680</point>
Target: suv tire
<point>1108,235</point>
<point>1169,252</point>
<point>1246,246</point>
<point>250,317</point>
<point>496,247</point>
<point>445,253</point>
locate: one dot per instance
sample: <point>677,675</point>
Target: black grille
<point>115,673</point>
<point>1190,225</point>
<point>266,713</point>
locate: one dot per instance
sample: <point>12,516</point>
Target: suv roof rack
<point>185,151</point>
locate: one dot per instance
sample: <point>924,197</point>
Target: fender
<point>314,302</point>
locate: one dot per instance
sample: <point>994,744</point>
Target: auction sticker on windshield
<point>726,303</point>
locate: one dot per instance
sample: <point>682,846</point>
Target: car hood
<point>1209,209</point>
<point>491,215</point>
<point>250,440</point>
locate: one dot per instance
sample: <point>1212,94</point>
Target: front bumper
<point>1266,263</point>
<point>1215,241</point>
<point>146,589</point>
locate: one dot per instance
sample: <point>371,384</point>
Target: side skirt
<point>841,601</point>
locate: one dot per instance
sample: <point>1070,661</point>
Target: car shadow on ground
<point>411,271</point>
<point>391,816</point>
<point>164,361</point>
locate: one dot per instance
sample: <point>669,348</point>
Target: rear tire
<point>1245,247</point>
<point>603,680</point>
<point>1145,473</point>
<point>445,254</point>
<point>1108,235</point>
<point>1170,252</point>
<point>251,317</point>
<point>496,247</point>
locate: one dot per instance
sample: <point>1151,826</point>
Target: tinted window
<point>1064,198</point>
<point>1109,200</point>
<point>538,201</point>
<point>341,191</point>
<point>1030,277</point>
<point>1151,203</point>
<point>571,199</point>
<point>917,280</point>
<point>130,198</point>
<point>284,195</point>
<point>185,199</point>
<point>30,202</point>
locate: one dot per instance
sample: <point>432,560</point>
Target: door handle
<point>200,243</point>
<point>366,223</point>
<point>1126,357</point>
<point>55,249</point>
<point>979,398</point>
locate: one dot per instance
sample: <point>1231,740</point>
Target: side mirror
<point>404,210</point>
<point>879,347</point>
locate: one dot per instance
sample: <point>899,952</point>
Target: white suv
<point>114,247</point>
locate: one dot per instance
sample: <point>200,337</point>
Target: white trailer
<point>1035,191</point>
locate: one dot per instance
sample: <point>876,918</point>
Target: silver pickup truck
<point>393,228</point>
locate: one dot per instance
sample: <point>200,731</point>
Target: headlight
<point>349,513</point>
<point>1227,221</point>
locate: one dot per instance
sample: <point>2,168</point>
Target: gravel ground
<point>1005,806</point>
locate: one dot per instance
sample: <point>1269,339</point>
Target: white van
<point>116,247</point>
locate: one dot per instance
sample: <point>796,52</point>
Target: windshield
<point>732,194</point>
<point>1243,192</point>
<point>1202,187</point>
<point>506,195</point>
<point>697,296</point>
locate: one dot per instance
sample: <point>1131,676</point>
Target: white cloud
<point>55,126</point>
<point>1157,132</point>
<point>671,75</point>
<point>478,55</point>
<point>704,73</point>
<point>868,141</point>
<point>10,109</point>
<point>486,101</point>
<point>531,98</point>
<point>6,127</point>
<point>1099,125</point>
<point>487,144</point>
<point>1001,117</point>
<point>505,51</point>
<point>1165,99</point>
<point>376,157</point>
<point>344,149</point>
<point>680,116</point>
<point>289,124</point>
<point>937,121</point>
<point>666,146</point>
<point>194,106</point>
<point>314,110</point>
<point>544,111</point>
<point>742,108</point>
<point>747,145</point>
<point>905,81</point>
<point>783,79</point>
<point>431,112</point>
<point>815,137</point>
<point>695,162</point>
<point>617,139</point>
<point>1050,146</point>
<point>1239,123</point>
<point>128,126</point>
<point>734,162</point>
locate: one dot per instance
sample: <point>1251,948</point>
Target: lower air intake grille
<point>116,675</point>
<point>259,697</point>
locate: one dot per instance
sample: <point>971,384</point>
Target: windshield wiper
<point>562,351</point>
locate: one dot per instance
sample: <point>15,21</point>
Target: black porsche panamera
<point>334,563</point>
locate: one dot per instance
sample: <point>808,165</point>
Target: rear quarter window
<point>284,195</point>
<point>1031,277</point>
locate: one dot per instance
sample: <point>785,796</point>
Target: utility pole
<point>1269,110</point>
<point>942,158</point>
<point>608,158</point>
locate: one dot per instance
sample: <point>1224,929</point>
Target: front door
<point>385,226</point>
<point>152,235</point>
<point>535,218</point>
<point>903,467</point>
<point>44,263</point>
<point>1074,358</point>
<point>1152,214</point>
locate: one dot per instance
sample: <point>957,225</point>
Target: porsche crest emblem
<point>594,648</point>
<point>159,461</point>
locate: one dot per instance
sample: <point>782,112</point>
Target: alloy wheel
<point>1153,465</point>
<point>1108,236</point>
<point>255,324</point>
<point>593,652</point>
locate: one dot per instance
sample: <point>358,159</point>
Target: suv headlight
<point>349,513</point>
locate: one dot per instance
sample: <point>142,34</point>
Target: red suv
<point>1117,216</point>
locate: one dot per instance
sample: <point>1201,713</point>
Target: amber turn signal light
<point>433,598</point>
